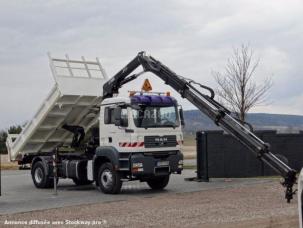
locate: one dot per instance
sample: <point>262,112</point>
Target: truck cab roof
<point>116,100</point>
<point>148,100</point>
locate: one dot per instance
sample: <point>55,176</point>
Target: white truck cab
<point>129,123</point>
<point>144,132</point>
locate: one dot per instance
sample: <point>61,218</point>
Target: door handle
<point>129,130</point>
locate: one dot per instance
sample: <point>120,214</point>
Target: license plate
<point>163,163</point>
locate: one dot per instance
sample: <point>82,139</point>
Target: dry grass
<point>189,140</point>
<point>9,166</point>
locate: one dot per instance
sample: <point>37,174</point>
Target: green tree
<point>3,135</point>
<point>14,129</point>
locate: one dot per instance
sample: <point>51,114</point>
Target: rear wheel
<point>40,179</point>
<point>109,179</point>
<point>158,183</point>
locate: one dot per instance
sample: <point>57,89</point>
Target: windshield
<point>155,116</point>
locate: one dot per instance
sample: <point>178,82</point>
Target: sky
<point>193,38</point>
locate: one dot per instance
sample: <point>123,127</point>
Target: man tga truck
<point>139,137</point>
<point>103,139</point>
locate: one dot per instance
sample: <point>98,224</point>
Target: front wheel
<point>109,179</point>
<point>158,183</point>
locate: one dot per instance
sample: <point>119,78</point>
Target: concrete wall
<point>228,158</point>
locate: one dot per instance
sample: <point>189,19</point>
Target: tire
<point>82,182</point>
<point>108,179</point>
<point>40,179</point>
<point>158,183</point>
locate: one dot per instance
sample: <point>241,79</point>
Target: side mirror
<point>117,116</point>
<point>181,117</point>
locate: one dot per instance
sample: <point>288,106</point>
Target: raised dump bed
<point>73,100</point>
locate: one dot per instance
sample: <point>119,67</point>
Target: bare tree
<point>237,89</point>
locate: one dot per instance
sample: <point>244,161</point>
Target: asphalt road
<point>20,195</point>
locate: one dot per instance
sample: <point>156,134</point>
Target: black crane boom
<point>209,106</point>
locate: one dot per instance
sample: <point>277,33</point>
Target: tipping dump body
<point>73,100</point>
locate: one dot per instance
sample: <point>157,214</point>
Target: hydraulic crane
<point>206,103</point>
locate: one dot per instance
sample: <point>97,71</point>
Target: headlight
<point>137,165</point>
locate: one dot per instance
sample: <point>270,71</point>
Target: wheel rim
<point>107,178</point>
<point>38,175</point>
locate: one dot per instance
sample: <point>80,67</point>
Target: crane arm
<point>209,106</point>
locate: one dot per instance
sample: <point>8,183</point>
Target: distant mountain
<point>195,120</point>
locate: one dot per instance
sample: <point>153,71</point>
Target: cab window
<point>109,117</point>
<point>124,117</point>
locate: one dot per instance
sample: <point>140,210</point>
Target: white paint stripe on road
<point>13,175</point>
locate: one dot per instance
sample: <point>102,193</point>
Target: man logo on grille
<point>161,141</point>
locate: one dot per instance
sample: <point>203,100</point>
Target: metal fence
<point>224,156</point>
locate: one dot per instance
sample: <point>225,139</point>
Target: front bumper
<point>145,164</point>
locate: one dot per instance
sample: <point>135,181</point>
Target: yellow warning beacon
<point>146,86</point>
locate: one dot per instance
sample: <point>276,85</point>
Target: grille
<point>160,141</point>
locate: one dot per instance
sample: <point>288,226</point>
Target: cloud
<point>191,37</point>
<point>292,105</point>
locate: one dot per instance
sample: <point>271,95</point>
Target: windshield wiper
<point>157,126</point>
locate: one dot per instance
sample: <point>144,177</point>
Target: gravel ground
<point>261,205</point>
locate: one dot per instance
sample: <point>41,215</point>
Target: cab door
<point>111,132</point>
